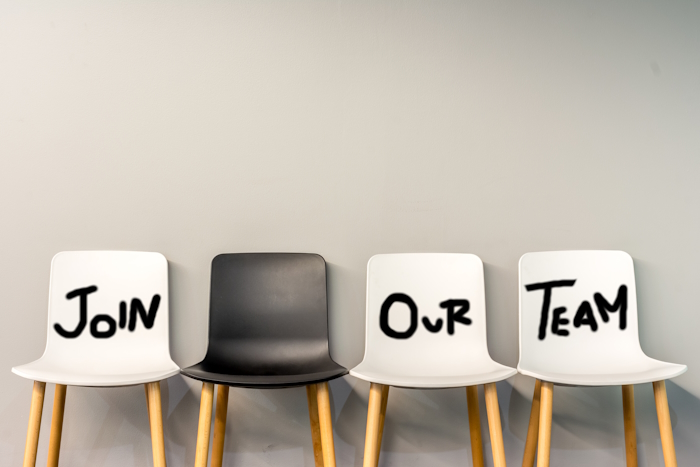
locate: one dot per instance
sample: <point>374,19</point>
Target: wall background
<point>350,129</point>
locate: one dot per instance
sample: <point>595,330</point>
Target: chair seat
<point>51,371</point>
<point>646,371</point>
<point>327,373</point>
<point>490,373</point>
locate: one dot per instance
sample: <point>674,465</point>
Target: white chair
<point>578,327</point>
<point>108,326</point>
<point>426,328</point>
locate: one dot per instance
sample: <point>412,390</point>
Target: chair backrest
<point>578,311</point>
<point>108,309</point>
<point>425,313</point>
<point>268,312</point>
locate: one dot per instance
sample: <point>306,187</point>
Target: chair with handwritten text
<point>426,329</point>
<point>108,326</point>
<point>268,328</point>
<point>578,327</point>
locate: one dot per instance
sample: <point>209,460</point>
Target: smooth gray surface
<point>349,129</point>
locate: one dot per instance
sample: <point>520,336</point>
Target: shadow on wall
<point>109,426</point>
<point>263,426</point>
<point>346,314</point>
<point>102,426</point>
<point>501,325</point>
<point>433,424</point>
<point>588,424</point>
<point>271,427</point>
<point>417,421</point>
<point>590,419</point>
<point>189,317</point>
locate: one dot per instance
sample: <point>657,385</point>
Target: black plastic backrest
<point>268,311</point>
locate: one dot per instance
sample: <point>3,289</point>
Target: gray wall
<point>350,129</point>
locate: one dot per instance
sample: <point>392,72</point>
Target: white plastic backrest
<point>116,290</point>
<point>401,343</point>
<point>570,334</point>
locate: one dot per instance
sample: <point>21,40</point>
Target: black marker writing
<point>82,293</point>
<point>547,287</point>
<point>384,316</point>
<point>584,315</point>
<point>620,303</point>
<point>430,326</point>
<point>456,315</point>
<point>147,318</point>
<point>456,309</point>
<point>111,326</point>
<point>137,310</point>
<point>557,321</point>
<point>122,315</point>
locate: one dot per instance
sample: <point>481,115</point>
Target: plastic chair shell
<point>584,349</point>
<point>268,322</point>
<point>427,359</point>
<point>106,351</point>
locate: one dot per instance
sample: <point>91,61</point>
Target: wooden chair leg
<point>374,409</point>
<point>475,426</point>
<point>545,431</point>
<point>155,416</point>
<point>630,425</point>
<point>533,427</point>
<point>494,415</point>
<point>325,424</point>
<point>665,427</point>
<point>312,400</point>
<point>204,429</point>
<point>148,406</point>
<point>217,449</point>
<point>59,403</point>
<point>34,424</point>
<point>382,417</point>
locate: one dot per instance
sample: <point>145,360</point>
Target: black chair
<point>268,328</point>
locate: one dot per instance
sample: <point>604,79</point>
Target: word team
<point>584,314</point>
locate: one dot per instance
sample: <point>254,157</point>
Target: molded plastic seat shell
<point>427,359</point>
<point>268,322</point>
<point>608,356</point>
<point>126,357</point>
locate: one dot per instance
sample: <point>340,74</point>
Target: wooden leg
<point>155,416</point>
<point>382,417</point>
<point>533,427</point>
<point>475,426</point>
<point>630,425</point>
<point>204,429</point>
<point>34,424</point>
<point>325,424</point>
<point>312,400</point>
<point>374,409</point>
<point>545,431</point>
<point>148,406</point>
<point>494,415</point>
<point>217,449</point>
<point>59,403</point>
<point>665,428</point>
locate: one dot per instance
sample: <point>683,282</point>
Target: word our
<point>137,309</point>
<point>584,313</point>
<point>456,309</point>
